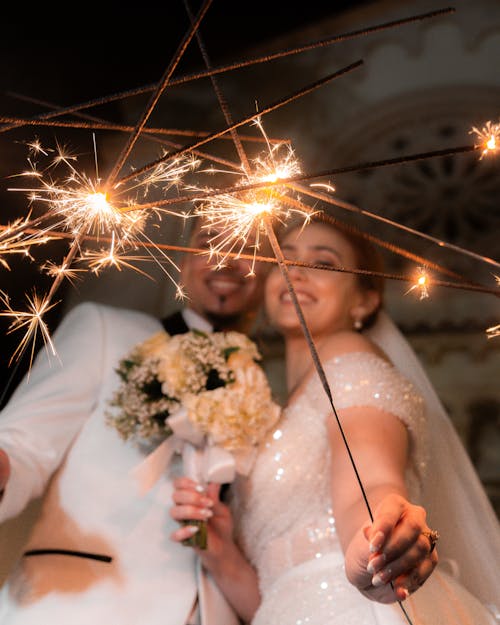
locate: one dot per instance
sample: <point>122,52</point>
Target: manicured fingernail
<point>199,488</point>
<point>191,529</point>
<point>376,542</point>
<point>381,578</point>
<point>206,513</point>
<point>405,591</point>
<point>207,502</point>
<point>376,563</point>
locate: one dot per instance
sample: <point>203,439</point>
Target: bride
<point>335,519</point>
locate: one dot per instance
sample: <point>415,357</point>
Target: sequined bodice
<point>283,512</point>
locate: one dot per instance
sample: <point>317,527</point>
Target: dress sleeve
<point>365,379</point>
<point>50,405</point>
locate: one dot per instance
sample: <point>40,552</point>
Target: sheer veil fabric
<point>456,503</point>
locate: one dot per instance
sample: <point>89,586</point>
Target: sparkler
<point>489,138</point>
<point>81,206</point>
<point>421,283</point>
<point>238,218</point>
<point>32,320</point>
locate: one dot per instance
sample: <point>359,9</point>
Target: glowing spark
<point>12,241</point>
<point>489,137</point>
<point>323,185</point>
<point>421,283</point>
<point>239,218</point>
<point>110,258</point>
<point>81,206</point>
<point>84,206</point>
<point>493,332</point>
<point>32,321</point>
<point>53,270</point>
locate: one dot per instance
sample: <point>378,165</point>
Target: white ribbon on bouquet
<point>203,460</point>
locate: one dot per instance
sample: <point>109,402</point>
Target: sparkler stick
<point>237,65</point>
<point>272,107</point>
<point>319,369</point>
<point>157,94</point>
<point>20,226</point>
<point>376,240</point>
<point>352,207</point>
<point>103,125</point>
<point>321,174</point>
<point>466,286</point>
<point>220,97</point>
<point>347,205</point>
<point>150,133</point>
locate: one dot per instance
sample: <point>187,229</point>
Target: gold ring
<point>433,537</point>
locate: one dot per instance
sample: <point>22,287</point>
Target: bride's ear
<point>369,304</point>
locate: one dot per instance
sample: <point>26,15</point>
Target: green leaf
<point>228,351</point>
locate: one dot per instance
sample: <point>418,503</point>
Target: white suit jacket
<point>55,433</point>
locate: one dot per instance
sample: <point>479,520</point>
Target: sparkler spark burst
<point>489,138</point>
<point>12,241</point>
<point>32,320</point>
<point>239,218</point>
<point>493,331</point>
<point>82,204</point>
<point>422,282</point>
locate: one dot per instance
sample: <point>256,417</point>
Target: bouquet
<point>202,395</point>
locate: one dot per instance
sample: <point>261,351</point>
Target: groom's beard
<point>221,321</point>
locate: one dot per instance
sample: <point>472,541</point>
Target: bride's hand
<point>391,558</point>
<point>193,502</point>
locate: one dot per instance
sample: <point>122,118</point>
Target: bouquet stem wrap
<point>203,462</point>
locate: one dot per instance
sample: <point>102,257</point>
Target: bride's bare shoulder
<point>347,342</point>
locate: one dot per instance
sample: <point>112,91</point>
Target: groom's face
<point>231,292</point>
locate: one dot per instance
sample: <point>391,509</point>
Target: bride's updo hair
<point>367,255</point>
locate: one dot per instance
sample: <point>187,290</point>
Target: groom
<point>219,299</point>
<point>98,552</point>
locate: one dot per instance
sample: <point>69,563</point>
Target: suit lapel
<point>175,324</point>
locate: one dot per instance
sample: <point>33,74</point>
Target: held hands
<point>391,558</point>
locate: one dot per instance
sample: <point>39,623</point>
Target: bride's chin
<point>290,329</point>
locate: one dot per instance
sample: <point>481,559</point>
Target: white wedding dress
<point>286,526</point>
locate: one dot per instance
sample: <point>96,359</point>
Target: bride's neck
<point>299,362</point>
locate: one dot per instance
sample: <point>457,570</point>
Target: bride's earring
<point>358,324</point>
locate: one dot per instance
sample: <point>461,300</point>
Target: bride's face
<point>329,299</point>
